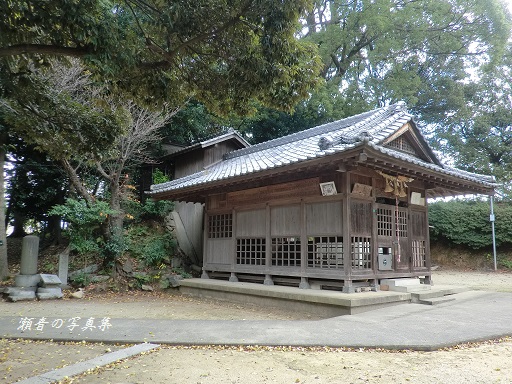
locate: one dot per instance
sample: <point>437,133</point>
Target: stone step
<point>402,282</point>
<point>439,291</point>
<point>411,288</point>
<point>403,285</point>
<point>437,300</point>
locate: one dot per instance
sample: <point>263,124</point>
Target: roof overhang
<point>439,182</point>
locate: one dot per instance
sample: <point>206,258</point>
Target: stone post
<point>29,253</point>
<point>28,278</point>
<point>64,267</point>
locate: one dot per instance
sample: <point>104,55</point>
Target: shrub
<point>467,223</point>
<point>150,245</point>
<point>81,280</point>
<point>84,223</point>
<point>150,210</point>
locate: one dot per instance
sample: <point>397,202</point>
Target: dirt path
<point>482,363</point>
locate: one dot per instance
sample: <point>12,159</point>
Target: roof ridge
<point>318,130</point>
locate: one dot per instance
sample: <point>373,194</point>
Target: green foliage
<point>34,185</point>
<point>141,278</point>
<point>379,51</point>
<point>81,279</point>
<point>159,177</point>
<point>150,210</point>
<point>478,137</point>
<point>85,222</point>
<point>113,247</point>
<point>153,247</point>
<point>467,223</point>
<point>180,271</point>
<point>505,263</point>
<point>61,112</point>
<point>226,54</point>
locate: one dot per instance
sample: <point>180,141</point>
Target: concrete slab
<point>320,302</point>
<point>78,368</point>
<point>473,316</point>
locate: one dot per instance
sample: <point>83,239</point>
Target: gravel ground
<point>476,363</point>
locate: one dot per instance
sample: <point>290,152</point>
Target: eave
<point>439,182</point>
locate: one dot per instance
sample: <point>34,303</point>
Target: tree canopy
<point>379,51</point>
<point>225,54</point>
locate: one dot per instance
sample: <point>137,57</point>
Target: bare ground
<point>475,363</point>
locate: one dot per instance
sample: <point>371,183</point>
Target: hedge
<point>467,223</point>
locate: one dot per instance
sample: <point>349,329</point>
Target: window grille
<point>402,224</point>
<point>384,222</point>
<point>220,226</point>
<point>325,252</point>
<point>250,251</point>
<point>402,144</point>
<point>360,253</point>
<point>419,258</point>
<point>286,251</point>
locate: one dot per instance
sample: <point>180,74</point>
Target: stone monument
<point>30,285</point>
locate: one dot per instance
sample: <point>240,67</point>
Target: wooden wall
<point>291,229</point>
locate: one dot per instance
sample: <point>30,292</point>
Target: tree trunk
<point>4,266</point>
<point>76,182</point>
<point>18,224</point>
<point>114,234</point>
<point>55,230</point>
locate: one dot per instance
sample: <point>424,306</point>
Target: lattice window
<point>325,252</point>
<point>402,223</point>
<point>250,251</point>
<point>220,226</point>
<point>360,253</point>
<point>419,254</point>
<point>402,144</point>
<point>384,222</point>
<point>286,251</point>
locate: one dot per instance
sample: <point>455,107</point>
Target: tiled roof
<point>370,127</point>
<point>230,134</point>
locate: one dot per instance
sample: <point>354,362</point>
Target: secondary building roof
<point>174,150</point>
<point>383,139</point>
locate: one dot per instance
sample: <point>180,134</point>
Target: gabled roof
<point>370,132</point>
<point>231,134</point>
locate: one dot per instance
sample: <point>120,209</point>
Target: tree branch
<point>20,49</point>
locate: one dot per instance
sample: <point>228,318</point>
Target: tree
<point>68,95</point>
<point>479,136</point>
<point>35,183</point>
<point>223,54</point>
<point>379,51</point>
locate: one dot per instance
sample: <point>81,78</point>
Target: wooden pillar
<point>205,246</point>
<point>409,231</point>
<point>268,245</point>
<point>347,260</point>
<point>233,276</point>
<point>428,260</point>
<point>374,243</point>
<point>304,283</point>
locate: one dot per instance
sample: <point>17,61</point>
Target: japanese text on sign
<point>90,324</point>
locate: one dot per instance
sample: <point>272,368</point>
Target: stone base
<point>20,294</point>
<point>27,280</point>
<point>49,293</point>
